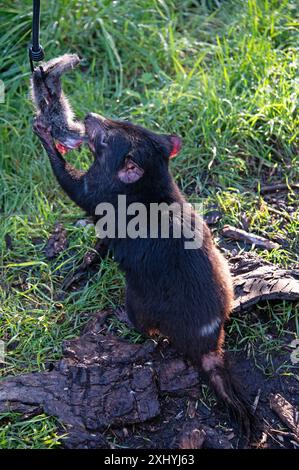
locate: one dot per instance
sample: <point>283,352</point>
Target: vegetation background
<point>224,76</point>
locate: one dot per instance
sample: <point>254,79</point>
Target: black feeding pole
<point>36,52</point>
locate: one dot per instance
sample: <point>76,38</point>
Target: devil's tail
<point>228,390</point>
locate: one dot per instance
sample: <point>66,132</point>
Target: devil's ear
<point>175,145</point>
<point>130,172</point>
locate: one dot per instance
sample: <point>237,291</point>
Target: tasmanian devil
<point>52,105</point>
<point>185,294</point>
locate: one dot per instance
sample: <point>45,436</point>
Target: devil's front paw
<point>43,131</point>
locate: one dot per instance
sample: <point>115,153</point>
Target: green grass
<point>225,79</point>
<point>38,432</point>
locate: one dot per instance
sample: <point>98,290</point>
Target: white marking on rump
<point>208,329</point>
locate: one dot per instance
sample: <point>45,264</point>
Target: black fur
<point>169,288</point>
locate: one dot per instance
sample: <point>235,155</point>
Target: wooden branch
<point>272,188</point>
<point>239,234</point>
<point>286,412</point>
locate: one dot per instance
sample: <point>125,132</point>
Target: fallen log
<point>101,382</point>
<point>256,280</point>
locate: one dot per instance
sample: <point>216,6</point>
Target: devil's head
<point>129,153</point>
